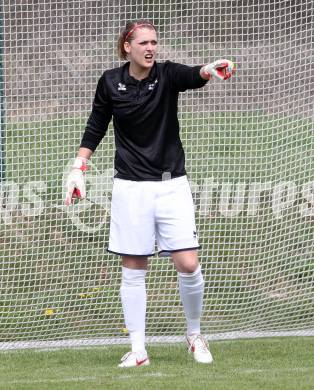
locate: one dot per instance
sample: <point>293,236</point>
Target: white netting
<point>249,151</point>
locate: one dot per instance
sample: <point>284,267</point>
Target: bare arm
<point>84,153</point>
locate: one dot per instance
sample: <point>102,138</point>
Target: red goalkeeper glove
<point>221,69</point>
<point>75,184</point>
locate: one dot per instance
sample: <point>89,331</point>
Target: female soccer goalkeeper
<point>151,197</point>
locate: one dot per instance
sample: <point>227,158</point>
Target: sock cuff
<point>192,274</point>
<point>133,277</point>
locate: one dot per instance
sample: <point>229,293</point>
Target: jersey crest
<point>121,87</point>
<point>152,85</point>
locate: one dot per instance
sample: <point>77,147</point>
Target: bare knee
<point>134,262</point>
<point>188,268</point>
<point>185,261</point>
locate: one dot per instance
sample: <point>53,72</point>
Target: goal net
<point>249,157</point>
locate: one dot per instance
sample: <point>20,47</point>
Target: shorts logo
<point>121,87</point>
<point>194,234</point>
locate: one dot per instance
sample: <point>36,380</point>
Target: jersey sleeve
<point>183,77</point>
<point>100,116</point>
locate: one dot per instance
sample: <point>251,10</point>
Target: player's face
<point>142,49</point>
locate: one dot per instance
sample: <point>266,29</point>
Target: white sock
<point>191,287</point>
<point>133,297</point>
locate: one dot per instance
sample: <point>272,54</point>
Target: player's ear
<point>127,47</point>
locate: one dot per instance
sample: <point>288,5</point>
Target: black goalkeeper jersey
<point>146,127</point>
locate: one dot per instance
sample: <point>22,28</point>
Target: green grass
<point>46,262</point>
<point>272,364</point>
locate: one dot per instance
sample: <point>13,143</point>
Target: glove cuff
<point>204,74</point>
<point>80,163</point>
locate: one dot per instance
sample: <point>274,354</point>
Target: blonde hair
<point>127,35</point>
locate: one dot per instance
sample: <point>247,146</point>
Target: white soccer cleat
<point>134,359</point>
<point>198,346</point>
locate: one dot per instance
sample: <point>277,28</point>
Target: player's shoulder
<point>113,73</point>
<point>169,67</point>
<point>166,68</point>
<point>111,77</point>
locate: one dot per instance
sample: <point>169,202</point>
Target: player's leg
<point>133,297</point>
<point>132,235</point>
<point>191,287</point>
<point>176,235</point>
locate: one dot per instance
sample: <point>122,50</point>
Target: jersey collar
<point>131,80</point>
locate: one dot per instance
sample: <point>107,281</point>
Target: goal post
<point>249,156</point>
<point>2,112</point>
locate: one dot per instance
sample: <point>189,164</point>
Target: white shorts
<point>144,213</point>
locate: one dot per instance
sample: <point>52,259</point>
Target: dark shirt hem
<point>159,178</point>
